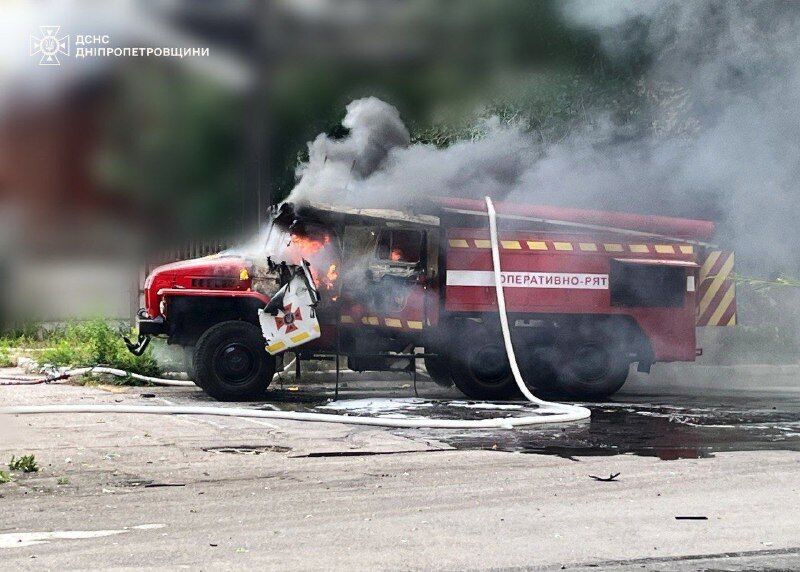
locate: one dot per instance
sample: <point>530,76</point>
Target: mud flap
<point>290,318</point>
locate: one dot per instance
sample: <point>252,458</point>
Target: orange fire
<point>306,246</point>
<point>313,250</point>
<point>331,275</point>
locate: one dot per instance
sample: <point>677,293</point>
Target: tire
<point>481,369</point>
<point>231,363</point>
<point>439,370</point>
<point>539,365</point>
<point>590,369</point>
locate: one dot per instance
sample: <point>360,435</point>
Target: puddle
<point>696,428</point>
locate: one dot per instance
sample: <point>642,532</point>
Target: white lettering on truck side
<point>529,279</point>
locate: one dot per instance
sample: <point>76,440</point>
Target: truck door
<point>387,283</point>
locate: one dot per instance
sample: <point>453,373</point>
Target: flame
<point>332,275</point>
<point>306,246</point>
<point>314,250</point>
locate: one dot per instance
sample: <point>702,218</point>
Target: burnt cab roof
<point>561,218</point>
<point>324,213</point>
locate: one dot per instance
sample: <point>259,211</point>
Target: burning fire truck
<point>588,293</point>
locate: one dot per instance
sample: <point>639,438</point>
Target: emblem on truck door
<point>288,319</point>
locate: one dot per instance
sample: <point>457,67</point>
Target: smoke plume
<point>719,136</point>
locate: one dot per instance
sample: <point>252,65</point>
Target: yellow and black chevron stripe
<point>716,293</point>
<point>557,246</point>
<point>382,321</point>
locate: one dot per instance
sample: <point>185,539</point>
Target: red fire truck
<point>588,293</point>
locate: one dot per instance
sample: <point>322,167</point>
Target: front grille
<point>214,283</point>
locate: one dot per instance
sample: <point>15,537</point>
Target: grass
<point>5,354</point>
<point>25,463</point>
<point>5,478</point>
<point>95,342</point>
<point>79,344</point>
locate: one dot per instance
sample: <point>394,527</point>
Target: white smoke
<point>375,131</point>
<point>719,136</point>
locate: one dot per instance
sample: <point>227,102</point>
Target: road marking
<point>23,539</point>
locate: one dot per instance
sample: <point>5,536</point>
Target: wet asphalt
<point>680,424</point>
<point>667,427</point>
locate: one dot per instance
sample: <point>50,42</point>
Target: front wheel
<point>231,363</point>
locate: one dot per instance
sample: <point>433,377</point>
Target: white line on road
<point>22,539</point>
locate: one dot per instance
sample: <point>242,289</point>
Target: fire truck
<point>588,293</point>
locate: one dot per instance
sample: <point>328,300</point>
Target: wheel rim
<point>235,363</point>
<point>489,365</point>
<point>591,363</point>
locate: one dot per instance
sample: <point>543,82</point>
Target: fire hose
<point>547,412</point>
<point>75,372</point>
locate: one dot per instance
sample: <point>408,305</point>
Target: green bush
<point>94,342</point>
<point>5,355</point>
<point>25,463</point>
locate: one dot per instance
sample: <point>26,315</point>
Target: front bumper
<point>151,326</point>
<point>147,327</point>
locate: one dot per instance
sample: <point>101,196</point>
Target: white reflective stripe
<point>690,283</point>
<point>470,278</point>
<point>528,279</point>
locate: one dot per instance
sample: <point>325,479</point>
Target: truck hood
<point>214,265</point>
<point>233,272</point>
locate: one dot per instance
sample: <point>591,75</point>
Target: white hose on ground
<point>122,373</point>
<point>411,423</point>
<point>547,412</point>
<point>570,412</point>
<point>75,372</point>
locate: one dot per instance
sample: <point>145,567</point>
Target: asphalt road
<point>125,491</point>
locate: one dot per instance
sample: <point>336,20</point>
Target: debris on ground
<point>691,518</point>
<point>157,485</point>
<point>608,479</point>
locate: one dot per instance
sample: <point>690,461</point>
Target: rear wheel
<point>439,369</point>
<point>539,366</point>
<point>481,370</point>
<point>591,369</point>
<point>231,363</point>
